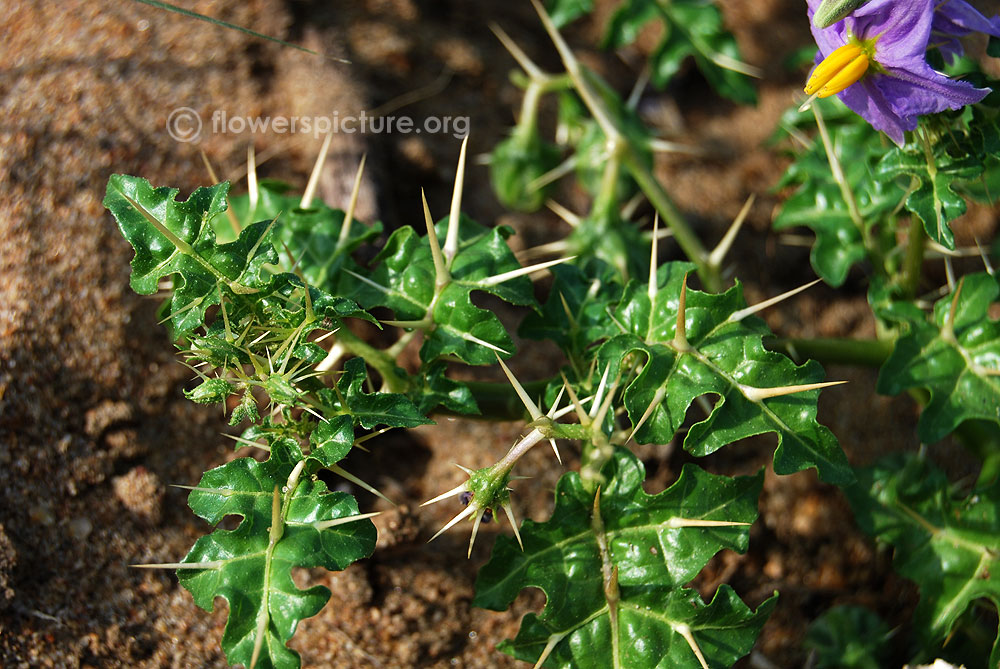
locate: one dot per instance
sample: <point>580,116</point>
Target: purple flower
<point>875,62</point>
<point>957,18</point>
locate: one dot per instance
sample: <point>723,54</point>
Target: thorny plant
<point>257,283</point>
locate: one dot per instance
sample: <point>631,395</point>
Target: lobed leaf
<point>948,544</point>
<point>958,365</point>
<point>637,534</point>
<point>173,238</point>
<point>724,358</point>
<point>691,28</point>
<point>934,201</point>
<point>312,236</point>
<point>404,281</point>
<point>818,203</point>
<point>370,409</point>
<point>251,565</point>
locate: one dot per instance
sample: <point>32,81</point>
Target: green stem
<point>914,262</point>
<point>685,236</point>
<point>379,360</point>
<point>861,352</point>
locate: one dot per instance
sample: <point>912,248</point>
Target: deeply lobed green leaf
<point>724,356</point>
<point>638,535</point>
<point>173,238</point>
<point>961,371</point>
<point>250,569</point>
<point>949,544</point>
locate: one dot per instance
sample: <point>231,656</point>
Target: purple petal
<point>867,100</point>
<point>903,28</point>
<point>921,91</point>
<point>957,17</point>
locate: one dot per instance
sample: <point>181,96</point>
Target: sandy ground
<point>93,425</point>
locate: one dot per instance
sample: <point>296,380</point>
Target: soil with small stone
<point>93,423</point>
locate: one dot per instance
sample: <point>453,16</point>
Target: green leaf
<point>176,238</point>
<point>245,410</point>
<point>372,409</point>
<point>948,544</point>
<point>564,12</point>
<point>724,359</point>
<point>211,391</point>
<point>589,294</point>
<point>934,201</point>
<point>250,567</point>
<point>331,440</point>
<point>313,236</point>
<point>818,203</point>
<point>691,28</point>
<point>849,637</point>
<point>640,536</point>
<point>404,281</point>
<point>437,389</point>
<point>957,365</point>
<point>516,163</point>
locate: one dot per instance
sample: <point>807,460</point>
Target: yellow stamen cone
<point>840,69</point>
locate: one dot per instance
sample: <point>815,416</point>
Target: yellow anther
<point>839,70</point>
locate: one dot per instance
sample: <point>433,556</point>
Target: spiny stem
<point>686,238</point>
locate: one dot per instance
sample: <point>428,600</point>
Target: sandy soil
<point>93,425</point>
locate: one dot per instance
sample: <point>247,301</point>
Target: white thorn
<point>759,394</point>
<point>326,524</point>
<point>658,396</point>
<point>461,516</point>
<point>651,288</point>
<point>556,173</point>
<point>752,309</point>
<point>441,274</point>
<point>663,146</point>
<point>555,449</point>
<point>476,340</point>
<point>509,510</point>
<point>598,396</point>
<point>717,255</point>
<point>311,185</point>
<point>685,632</point>
<point>552,248</point>
<point>475,530</point>
<point>253,194</point>
<point>513,274</point>
<point>676,523</point>
<point>549,646</point>
<point>680,332</point>
<point>345,227</point>
<point>522,59</point>
<point>337,469</point>
<point>575,401</point>
<point>364,279</point>
<point>553,410</point>
<point>986,260</point>
<point>573,220</point>
<point>533,410</point>
<point>591,98</point>
<point>214,564</point>
<point>451,241</point>
<point>457,490</point>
